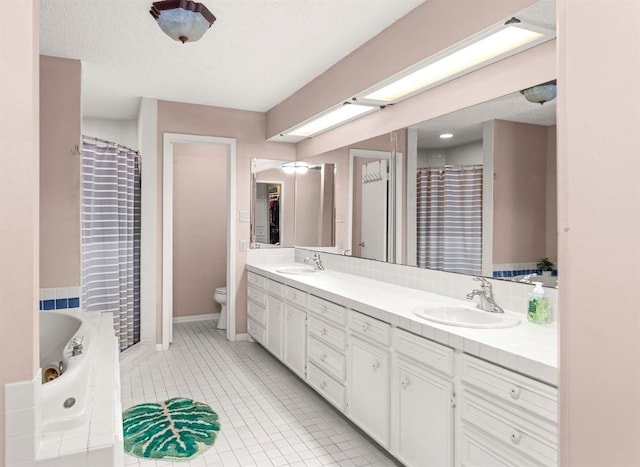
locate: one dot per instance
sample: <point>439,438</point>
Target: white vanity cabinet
<point>423,395</point>
<point>275,322</point>
<point>257,307</point>
<point>505,418</point>
<point>295,332</point>
<point>326,350</point>
<point>369,373</point>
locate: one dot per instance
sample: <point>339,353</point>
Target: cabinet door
<point>295,340</point>
<point>425,417</point>
<point>369,389</point>
<point>275,312</point>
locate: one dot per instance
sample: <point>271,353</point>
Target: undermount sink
<point>298,270</point>
<point>465,317</point>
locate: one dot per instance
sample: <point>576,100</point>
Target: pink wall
<point>599,228</point>
<point>19,196</point>
<point>60,172</point>
<point>249,129</point>
<point>420,34</point>
<point>199,227</point>
<point>519,192</point>
<point>552,195</point>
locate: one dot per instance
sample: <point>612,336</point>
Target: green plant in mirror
<point>545,264</point>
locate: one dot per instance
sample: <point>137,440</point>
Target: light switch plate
<point>243,245</point>
<point>244,216</point>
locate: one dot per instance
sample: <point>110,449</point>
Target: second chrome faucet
<point>316,259</point>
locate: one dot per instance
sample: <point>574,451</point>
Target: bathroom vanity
<point>429,393</point>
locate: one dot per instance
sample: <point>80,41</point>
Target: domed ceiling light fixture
<point>541,93</point>
<point>182,20</point>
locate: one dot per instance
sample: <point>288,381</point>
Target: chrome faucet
<point>485,292</point>
<point>316,259</point>
<point>527,279</point>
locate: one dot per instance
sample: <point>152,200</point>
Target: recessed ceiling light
<point>446,135</point>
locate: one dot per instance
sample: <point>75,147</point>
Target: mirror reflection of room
<point>267,215</point>
<point>272,204</point>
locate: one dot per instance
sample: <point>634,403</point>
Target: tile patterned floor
<point>269,417</point>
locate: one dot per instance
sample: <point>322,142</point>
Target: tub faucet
<point>485,292</point>
<point>316,259</point>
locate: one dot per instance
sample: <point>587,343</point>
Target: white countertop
<point>527,348</point>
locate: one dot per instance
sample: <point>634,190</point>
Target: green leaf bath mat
<point>176,429</point>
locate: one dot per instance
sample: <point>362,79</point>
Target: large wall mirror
<point>481,201</point>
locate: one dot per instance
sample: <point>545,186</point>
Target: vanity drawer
<point>372,328</point>
<point>513,388</point>
<point>328,310</point>
<point>327,333</point>
<point>275,288</point>
<point>326,386</point>
<point>256,312</point>
<point>296,296</point>
<point>328,359</point>
<point>257,295</point>
<point>527,435</point>
<point>256,331</point>
<point>257,280</point>
<point>424,352</point>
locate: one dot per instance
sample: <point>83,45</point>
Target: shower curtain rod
<point>98,140</point>
<point>476,166</point>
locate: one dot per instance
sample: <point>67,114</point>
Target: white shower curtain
<point>449,219</point>
<point>111,235</point>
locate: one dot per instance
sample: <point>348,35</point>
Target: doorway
<point>170,140</point>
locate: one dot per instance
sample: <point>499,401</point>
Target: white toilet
<point>221,297</point>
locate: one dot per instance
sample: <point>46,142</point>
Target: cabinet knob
<point>516,436</point>
<point>365,327</point>
<point>404,383</point>
<point>375,366</point>
<point>323,385</point>
<point>323,357</point>
<point>323,308</point>
<point>515,392</point>
<point>323,332</point>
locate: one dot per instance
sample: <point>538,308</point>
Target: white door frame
<point>353,153</point>
<point>169,139</point>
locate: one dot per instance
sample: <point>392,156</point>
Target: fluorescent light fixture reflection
<point>446,135</point>
<point>295,167</point>
<point>332,118</point>
<point>464,59</point>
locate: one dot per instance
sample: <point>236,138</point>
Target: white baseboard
<point>192,318</point>
<point>243,337</point>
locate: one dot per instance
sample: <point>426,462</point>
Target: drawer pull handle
<point>404,383</point>
<point>515,393</point>
<point>323,332</point>
<point>323,385</point>
<point>323,308</point>
<point>323,357</point>
<point>365,327</point>
<point>293,295</point>
<point>516,437</point>
<point>375,366</point>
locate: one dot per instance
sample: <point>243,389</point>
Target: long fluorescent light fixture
<point>334,117</point>
<point>513,37</point>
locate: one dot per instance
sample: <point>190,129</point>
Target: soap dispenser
<point>539,310</point>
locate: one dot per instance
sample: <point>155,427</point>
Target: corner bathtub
<point>83,403</point>
<point>65,400</point>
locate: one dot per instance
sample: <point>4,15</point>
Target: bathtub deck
<point>269,417</point>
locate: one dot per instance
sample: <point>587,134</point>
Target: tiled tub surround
<point>94,436</point>
<point>365,348</point>
<point>60,298</point>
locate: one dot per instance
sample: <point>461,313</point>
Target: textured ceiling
<point>257,53</point>
<point>466,124</point>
